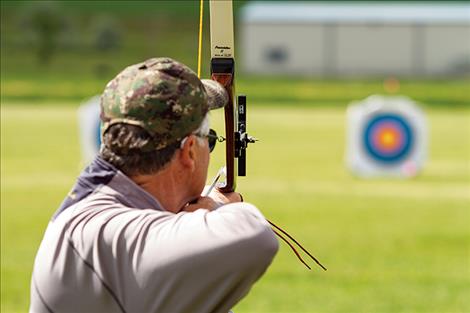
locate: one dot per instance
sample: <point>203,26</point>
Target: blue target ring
<point>388,138</point>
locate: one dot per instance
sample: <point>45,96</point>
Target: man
<point>135,234</point>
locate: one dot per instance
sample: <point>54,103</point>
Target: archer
<point>135,234</point>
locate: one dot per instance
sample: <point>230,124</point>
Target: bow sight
<point>242,139</point>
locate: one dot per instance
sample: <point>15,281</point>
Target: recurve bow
<point>237,138</point>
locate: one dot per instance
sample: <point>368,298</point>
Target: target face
<point>388,138</point>
<point>90,127</point>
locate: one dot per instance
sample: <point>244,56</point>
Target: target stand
<point>90,128</point>
<point>386,137</point>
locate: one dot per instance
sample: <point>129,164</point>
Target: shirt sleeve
<point>202,261</point>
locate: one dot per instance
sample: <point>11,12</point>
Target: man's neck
<point>166,187</point>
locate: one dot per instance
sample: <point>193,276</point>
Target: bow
<point>223,71</point>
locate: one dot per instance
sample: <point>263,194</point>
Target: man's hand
<point>225,198</point>
<point>214,200</point>
<point>201,203</point>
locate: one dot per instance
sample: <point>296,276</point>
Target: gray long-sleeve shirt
<point>112,248</point>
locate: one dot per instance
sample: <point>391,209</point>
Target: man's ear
<point>187,152</point>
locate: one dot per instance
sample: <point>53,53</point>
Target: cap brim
<point>217,96</point>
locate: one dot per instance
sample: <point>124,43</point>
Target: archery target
<point>90,128</point>
<point>386,137</point>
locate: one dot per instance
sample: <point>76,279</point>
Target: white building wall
<point>374,49</point>
<point>339,39</point>
<point>447,48</point>
<point>282,48</point>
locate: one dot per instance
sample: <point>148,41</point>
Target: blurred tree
<point>43,20</point>
<point>106,39</point>
<point>107,34</point>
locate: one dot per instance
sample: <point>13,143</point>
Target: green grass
<point>280,91</point>
<point>389,245</point>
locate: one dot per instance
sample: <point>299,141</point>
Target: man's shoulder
<point>102,216</point>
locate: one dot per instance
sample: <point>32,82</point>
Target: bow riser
<point>222,71</point>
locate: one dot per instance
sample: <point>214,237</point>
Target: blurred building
<point>361,39</point>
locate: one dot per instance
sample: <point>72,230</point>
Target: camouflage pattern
<point>163,96</point>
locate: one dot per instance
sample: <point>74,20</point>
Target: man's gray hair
<point>202,130</point>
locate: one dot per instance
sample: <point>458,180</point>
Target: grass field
<point>389,245</point>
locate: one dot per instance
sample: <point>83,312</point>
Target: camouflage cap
<point>163,96</point>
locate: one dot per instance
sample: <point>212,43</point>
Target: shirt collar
<point>132,193</point>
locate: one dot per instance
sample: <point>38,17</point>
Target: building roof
<point>358,12</point>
